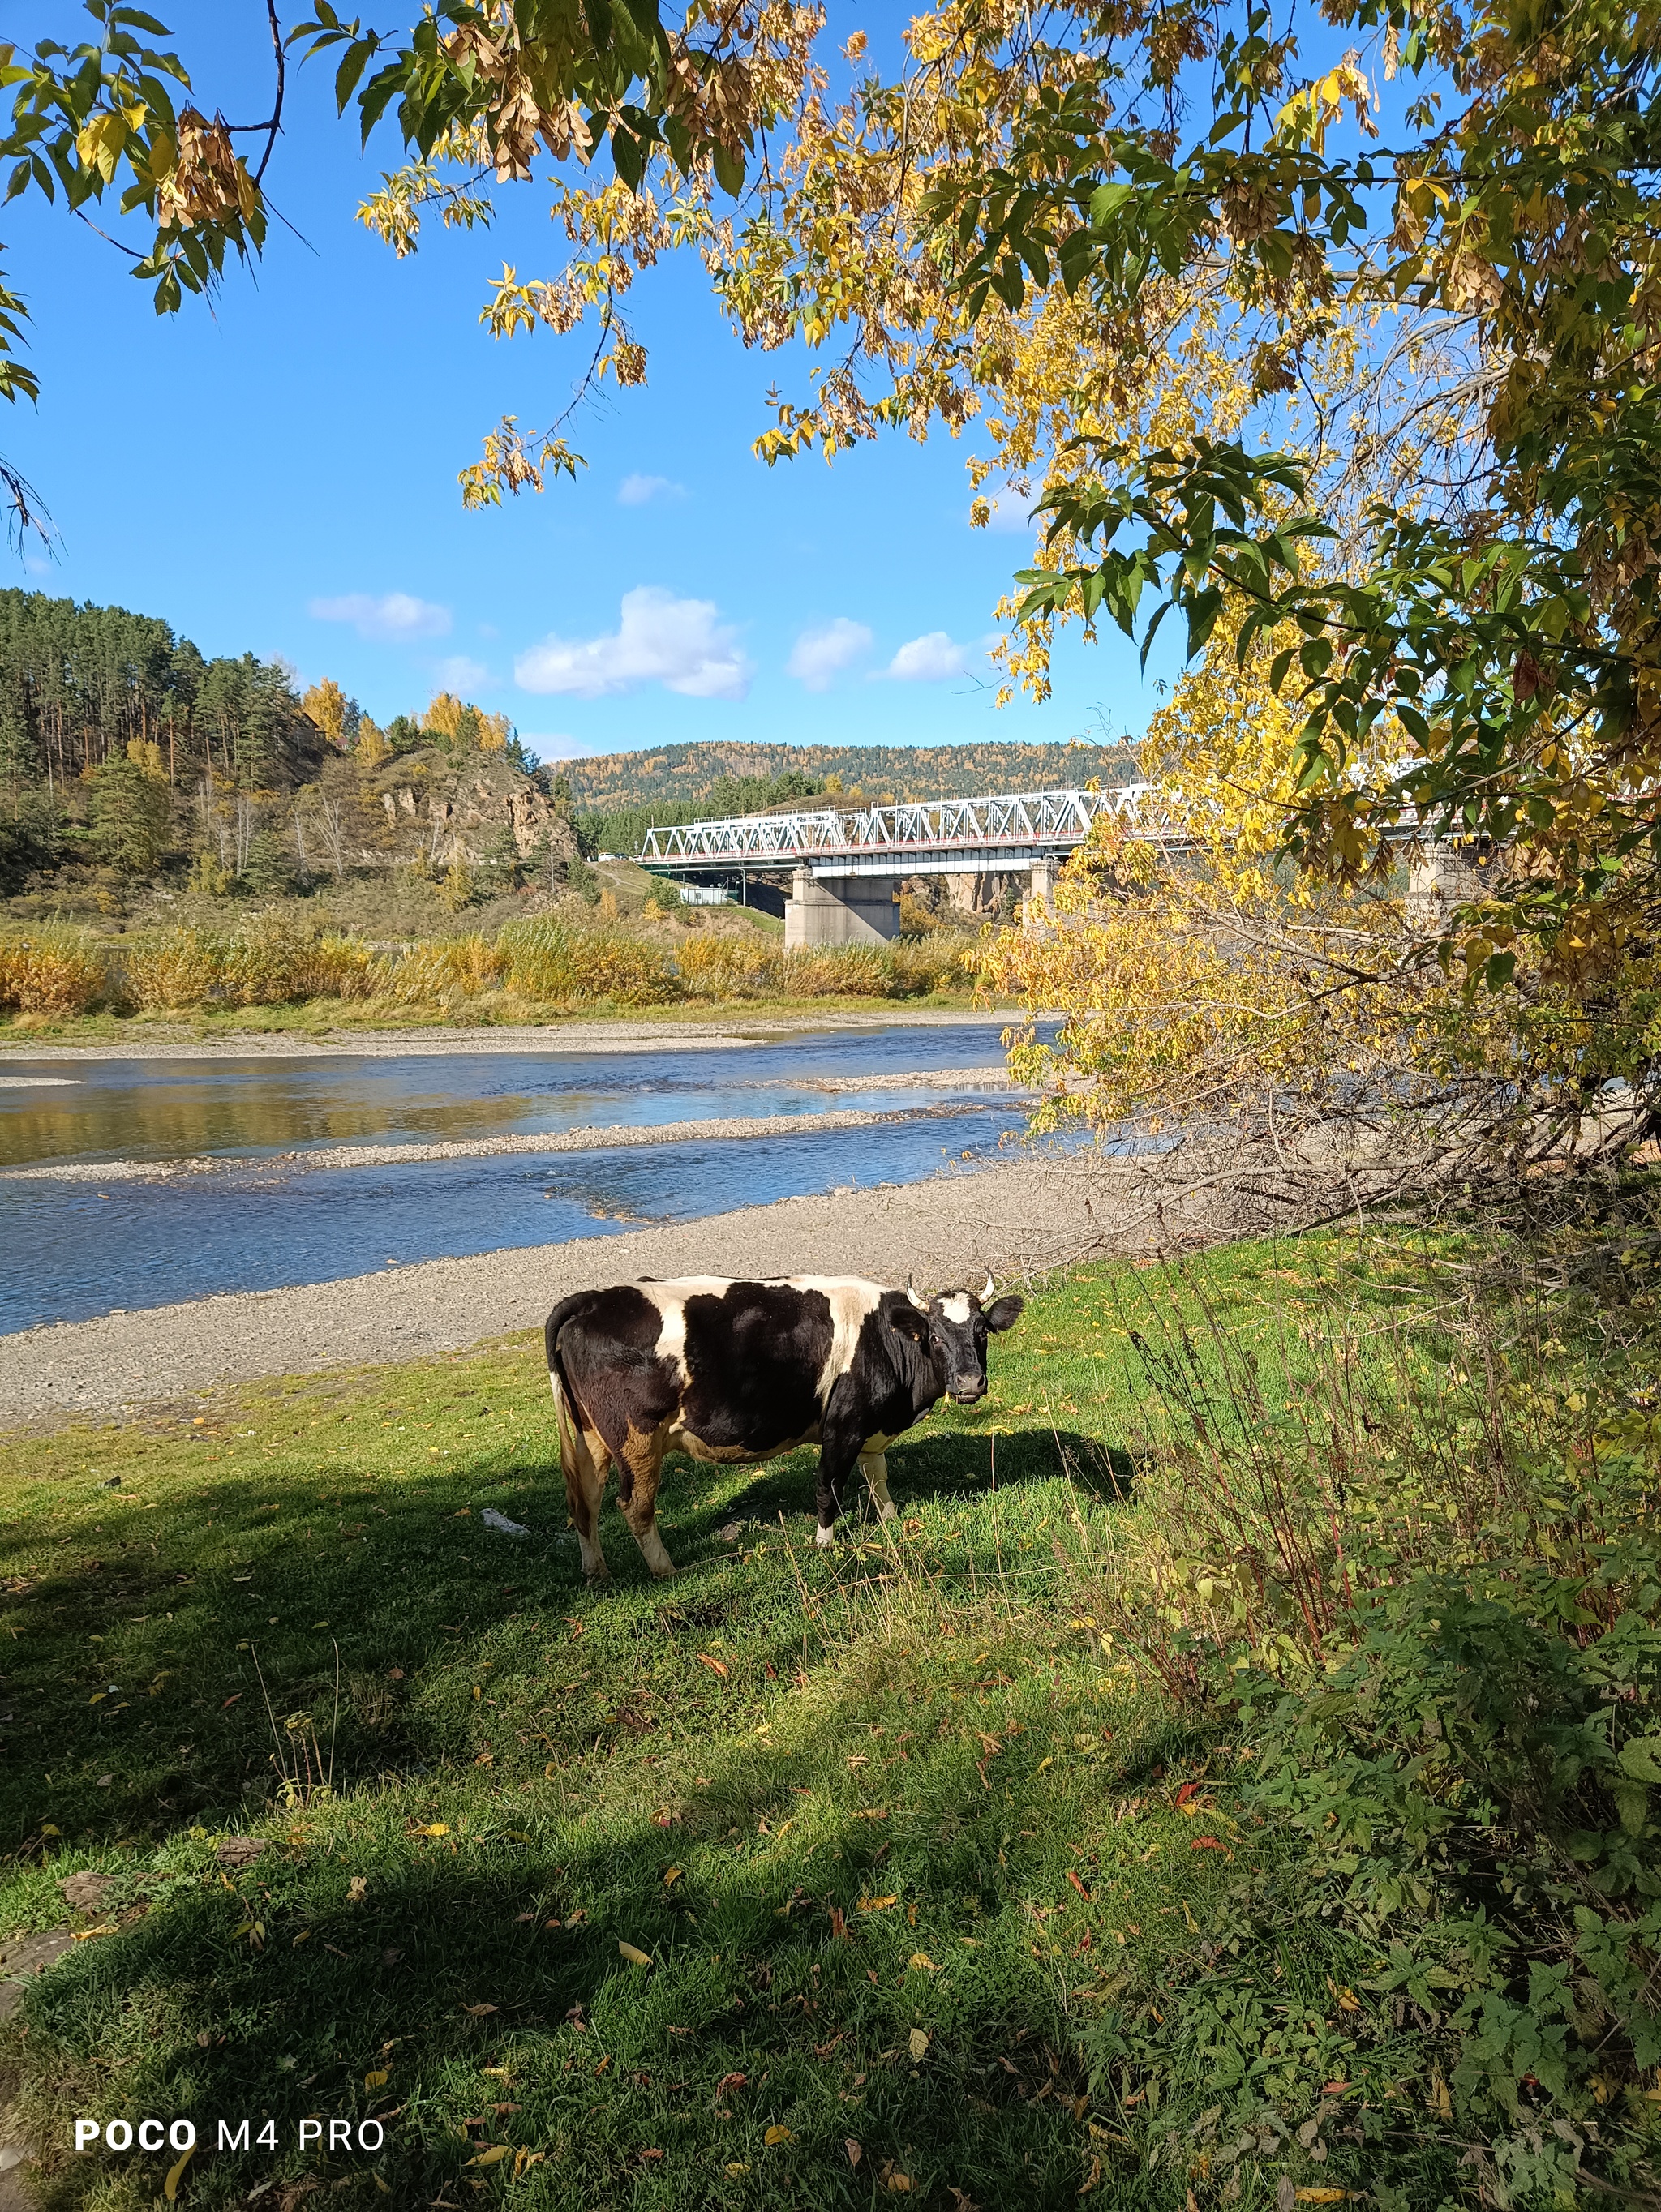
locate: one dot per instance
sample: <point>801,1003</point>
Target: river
<point>131,1183</point>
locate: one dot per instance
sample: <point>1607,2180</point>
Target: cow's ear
<point>910,1322</point>
<point>1005,1314</point>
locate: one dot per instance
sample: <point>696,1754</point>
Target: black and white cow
<point>737,1371</point>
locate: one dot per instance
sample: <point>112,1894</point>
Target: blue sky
<point>278,473</point>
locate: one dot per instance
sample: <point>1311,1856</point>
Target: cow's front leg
<point>837,1455</point>
<point>873,1465</point>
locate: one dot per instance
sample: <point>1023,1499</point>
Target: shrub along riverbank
<point>526,968</point>
<point>1231,1781</point>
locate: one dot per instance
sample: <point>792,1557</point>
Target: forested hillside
<point>672,776</point>
<point>129,760</point>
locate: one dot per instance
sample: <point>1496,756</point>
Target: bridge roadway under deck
<point>843,865</point>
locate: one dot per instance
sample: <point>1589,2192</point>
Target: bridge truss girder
<point>1010,832</point>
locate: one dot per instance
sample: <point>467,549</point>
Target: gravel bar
<point>592,1137</point>
<point>1019,1219</point>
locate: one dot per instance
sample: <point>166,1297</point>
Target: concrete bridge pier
<point>841,910</point>
<point>1445,876</point>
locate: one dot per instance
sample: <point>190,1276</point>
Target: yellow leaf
<point>1322,2197</point>
<point>877,1903</point>
<point>776,2135</point>
<point>921,1962</point>
<point>635,1958</point>
<point>673,1874</point>
<point>380,2184</point>
<point>175,2175</point>
<point>735,2173</point>
<point>435,1828</point>
<point>918,2044</point>
<point>899,2183</point>
<point>86,1935</point>
<point>1349,2002</point>
<point>377,2080</point>
<point>493,2156</point>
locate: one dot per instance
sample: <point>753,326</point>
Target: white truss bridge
<point>1012,831</point>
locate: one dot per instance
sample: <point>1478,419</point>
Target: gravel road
<point>1019,1219</point>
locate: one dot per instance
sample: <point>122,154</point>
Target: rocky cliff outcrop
<point>456,809</point>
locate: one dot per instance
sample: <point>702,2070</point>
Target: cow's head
<point>958,1324</point>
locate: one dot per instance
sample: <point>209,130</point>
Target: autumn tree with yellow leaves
<point>1340,354</point>
<point>1340,351</point>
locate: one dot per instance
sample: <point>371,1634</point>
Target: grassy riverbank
<point>337,1019</point>
<point>278,970</point>
<point>931,1841</point>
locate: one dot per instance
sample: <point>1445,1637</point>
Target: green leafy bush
<point>1427,1607</point>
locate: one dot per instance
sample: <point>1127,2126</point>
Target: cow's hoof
<point>666,1574</point>
<point>825,1538</point>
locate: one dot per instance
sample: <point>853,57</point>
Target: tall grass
<point>274,959</point>
<point>49,972</point>
<point>556,965</point>
<point>271,961</point>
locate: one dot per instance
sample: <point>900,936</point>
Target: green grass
<point>842,1802</point>
<point>343,1017</point>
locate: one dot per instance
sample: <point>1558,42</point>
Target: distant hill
<point>673,781</point>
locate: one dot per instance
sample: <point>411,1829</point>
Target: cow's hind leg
<point>641,1462</point>
<point>873,1465</point>
<point>585,1495</point>
<point>583,1461</point>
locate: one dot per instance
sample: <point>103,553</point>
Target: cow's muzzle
<point>969,1397</point>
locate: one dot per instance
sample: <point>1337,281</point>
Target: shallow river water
<point>72,1247</point>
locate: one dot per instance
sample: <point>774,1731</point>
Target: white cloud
<point>1010,514</point>
<point>640,491</point>
<point>931,658</point>
<point>394,618</point>
<point>818,654</point>
<point>659,640</point>
<point>457,673</point>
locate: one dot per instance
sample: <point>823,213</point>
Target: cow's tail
<point>559,1384</point>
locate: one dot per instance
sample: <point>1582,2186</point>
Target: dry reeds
<point>51,972</point>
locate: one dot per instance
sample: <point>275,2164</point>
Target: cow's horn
<point>921,1304</point>
<point>990,1287</point>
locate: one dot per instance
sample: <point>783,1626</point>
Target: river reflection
<point>158,1110</point>
<point>72,1249</point>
